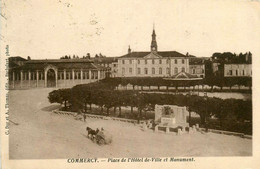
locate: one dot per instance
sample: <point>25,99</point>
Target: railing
<point>143,121</point>
<point>99,117</point>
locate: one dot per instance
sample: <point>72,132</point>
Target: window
<point>236,72</point>
<point>139,70</point>
<point>168,70</point>
<point>130,61</point>
<point>59,76</point>
<point>130,70</point>
<point>167,61</point>
<point>202,70</point>
<point>193,71</point>
<point>160,61</point>
<point>138,61</point>
<point>183,61</point>
<point>160,70</point>
<point>243,72</point>
<point>79,75</point>
<point>123,61</point>
<point>175,70</point>
<point>183,69</point>
<point>153,61</point>
<point>145,71</point>
<point>153,70</point>
<point>176,61</point>
<point>123,71</point>
<point>145,61</point>
<point>75,75</point>
<point>84,75</point>
<point>230,72</point>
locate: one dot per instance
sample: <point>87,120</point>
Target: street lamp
<point>187,104</point>
<point>206,112</point>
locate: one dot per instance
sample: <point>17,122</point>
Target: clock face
<point>153,48</point>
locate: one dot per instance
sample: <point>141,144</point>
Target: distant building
<point>237,70</point>
<point>152,63</point>
<point>232,65</point>
<point>54,73</point>
<point>108,62</point>
<point>197,66</point>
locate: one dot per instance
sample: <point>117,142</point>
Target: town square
<point>130,82</point>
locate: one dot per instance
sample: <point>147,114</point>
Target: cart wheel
<point>94,140</point>
<point>101,142</point>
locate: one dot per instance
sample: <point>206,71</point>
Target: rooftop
<point>164,54</point>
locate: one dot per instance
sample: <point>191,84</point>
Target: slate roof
<point>61,64</point>
<point>197,61</point>
<point>161,53</point>
<point>104,60</point>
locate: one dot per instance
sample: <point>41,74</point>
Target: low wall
<point>99,117</point>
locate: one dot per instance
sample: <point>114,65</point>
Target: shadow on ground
<point>51,107</point>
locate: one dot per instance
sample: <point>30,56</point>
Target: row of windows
<point>195,71</point>
<point>153,61</point>
<point>153,70</point>
<point>235,73</point>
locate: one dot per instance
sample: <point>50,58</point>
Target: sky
<point>54,28</point>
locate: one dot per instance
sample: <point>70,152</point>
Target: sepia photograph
<point>148,81</point>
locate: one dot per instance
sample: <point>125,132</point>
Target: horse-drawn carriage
<point>103,137</point>
<point>100,137</point>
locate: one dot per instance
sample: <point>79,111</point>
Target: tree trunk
<point>119,111</point>
<point>115,110</point>
<point>159,88</point>
<point>141,87</point>
<point>107,111</point>
<point>211,88</point>
<point>202,119</point>
<point>90,106</point>
<point>85,107</point>
<point>101,109</point>
<point>133,87</point>
<point>132,110</point>
<point>65,104</point>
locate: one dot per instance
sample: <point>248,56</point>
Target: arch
<point>51,78</point>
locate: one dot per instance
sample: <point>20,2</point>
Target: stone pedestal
<point>197,126</point>
<point>167,130</point>
<point>144,126</point>
<point>179,132</point>
<point>194,128</point>
<point>156,128</point>
<point>190,130</point>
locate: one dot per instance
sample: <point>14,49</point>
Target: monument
<point>171,116</point>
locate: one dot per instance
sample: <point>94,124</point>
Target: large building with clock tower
<point>153,63</point>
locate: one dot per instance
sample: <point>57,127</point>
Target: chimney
<point>246,58</point>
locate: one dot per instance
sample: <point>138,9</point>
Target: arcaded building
<point>58,73</point>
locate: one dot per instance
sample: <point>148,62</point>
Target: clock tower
<point>153,43</point>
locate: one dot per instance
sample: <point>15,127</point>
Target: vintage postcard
<point>130,83</point>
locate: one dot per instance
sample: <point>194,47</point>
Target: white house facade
<point>152,63</point>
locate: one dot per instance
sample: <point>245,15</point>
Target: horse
<point>92,133</point>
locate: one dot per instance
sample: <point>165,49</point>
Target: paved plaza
<point>37,133</point>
